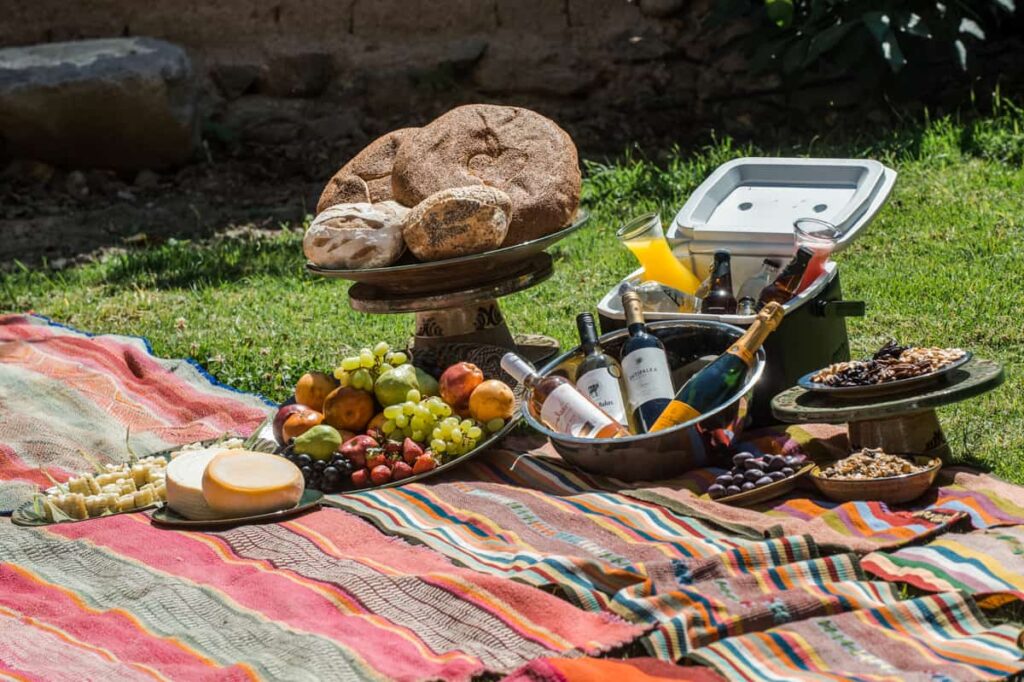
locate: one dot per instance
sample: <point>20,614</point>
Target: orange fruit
<point>313,388</point>
<point>300,422</point>
<point>349,409</point>
<point>492,399</point>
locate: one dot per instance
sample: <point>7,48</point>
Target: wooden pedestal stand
<point>904,423</point>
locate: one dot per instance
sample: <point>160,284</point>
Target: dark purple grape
<point>787,470</point>
<point>303,461</point>
<point>331,479</point>
<point>319,465</point>
<point>306,472</point>
<point>716,491</point>
<point>732,490</point>
<point>740,457</point>
<point>747,486</point>
<point>776,475</point>
<point>753,474</point>
<point>724,479</point>
<point>776,463</point>
<point>752,464</point>
<point>764,480</point>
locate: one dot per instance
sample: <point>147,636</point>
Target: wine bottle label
<point>647,376</point>
<point>601,386</point>
<point>566,411</point>
<point>676,413</point>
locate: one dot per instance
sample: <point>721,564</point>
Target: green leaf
<point>780,12</point>
<point>881,28</point>
<point>914,25</point>
<point>961,53</point>
<point>823,42</point>
<point>971,27</point>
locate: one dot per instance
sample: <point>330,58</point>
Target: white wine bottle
<point>599,375</point>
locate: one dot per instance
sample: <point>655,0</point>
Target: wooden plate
<point>891,489</point>
<point>767,492</point>
<point>410,276</point>
<point>165,516</point>
<point>884,388</point>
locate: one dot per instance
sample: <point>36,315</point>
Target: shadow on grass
<point>197,265</point>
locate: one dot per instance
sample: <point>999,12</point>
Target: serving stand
<point>903,423</point>
<point>455,301</point>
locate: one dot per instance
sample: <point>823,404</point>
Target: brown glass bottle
<point>720,299</point>
<point>787,284</point>
<point>560,405</point>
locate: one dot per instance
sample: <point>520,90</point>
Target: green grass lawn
<point>942,265</point>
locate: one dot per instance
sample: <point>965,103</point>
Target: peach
<point>457,384</point>
<point>492,399</point>
<point>313,388</point>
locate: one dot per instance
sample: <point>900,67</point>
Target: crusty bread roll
<point>515,150</point>
<point>457,222</point>
<point>372,165</point>
<point>355,236</point>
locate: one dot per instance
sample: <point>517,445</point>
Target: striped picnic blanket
<point>521,560</point>
<point>522,515</point>
<point>324,595</point>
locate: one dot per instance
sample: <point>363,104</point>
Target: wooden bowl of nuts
<point>874,475</point>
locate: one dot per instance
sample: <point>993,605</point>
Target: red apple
<point>282,415</point>
<point>354,449</point>
<point>457,384</point>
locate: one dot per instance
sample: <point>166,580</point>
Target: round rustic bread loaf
<point>352,236</point>
<point>344,189</point>
<point>515,150</point>
<point>372,165</point>
<point>457,222</point>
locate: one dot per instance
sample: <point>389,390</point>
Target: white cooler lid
<point>748,205</point>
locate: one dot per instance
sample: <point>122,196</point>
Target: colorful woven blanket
<point>322,596</point>
<point>501,539</point>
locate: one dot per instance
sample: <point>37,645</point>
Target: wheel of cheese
<point>457,222</point>
<point>354,236</point>
<point>185,484</point>
<point>243,483</point>
<point>372,166</point>
<point>516,150</point>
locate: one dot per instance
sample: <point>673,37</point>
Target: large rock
<point>121,103</point>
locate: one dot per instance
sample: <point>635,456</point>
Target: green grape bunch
<point>432,421</point>
<point>361,371</point>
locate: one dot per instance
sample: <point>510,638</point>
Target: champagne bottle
<point>752,288</point>
<point>720,299</point>
<point>644,367</point>
<point>559,405</point>
<point>599,376</point>
<point>716,383</point>
<point>787,284</point>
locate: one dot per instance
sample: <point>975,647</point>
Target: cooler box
<point>748,207</point>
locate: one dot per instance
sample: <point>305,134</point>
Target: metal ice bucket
<point>690,345</point>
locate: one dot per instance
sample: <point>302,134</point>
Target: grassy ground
<point>943,264</point>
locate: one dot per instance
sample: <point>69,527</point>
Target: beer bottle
<point>720,299</point>
<point>787,284</point>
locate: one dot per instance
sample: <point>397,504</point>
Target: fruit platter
<point>379,420</point>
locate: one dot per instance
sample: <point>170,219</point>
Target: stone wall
<point>273,71</point>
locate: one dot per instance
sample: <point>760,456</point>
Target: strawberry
<point>411,451</point>
<point>375,457</point>
<point>380,474</point>
<point>361,478</point>
<point>393,447</point>
<point>401,470</point>
<point>424,463</point>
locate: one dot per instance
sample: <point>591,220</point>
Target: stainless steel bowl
<point>690,345</point>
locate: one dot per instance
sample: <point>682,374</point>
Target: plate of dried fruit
<point>892,370</point>
<point>757,478</point>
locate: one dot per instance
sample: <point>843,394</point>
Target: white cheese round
<point>185,484</point>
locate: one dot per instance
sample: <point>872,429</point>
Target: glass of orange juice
<point>644,236</point>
